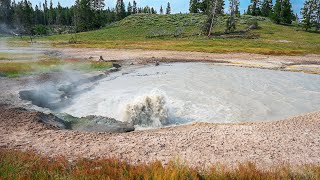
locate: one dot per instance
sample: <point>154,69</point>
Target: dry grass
<point>28,165</point>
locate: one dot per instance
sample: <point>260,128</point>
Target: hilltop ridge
<point>182,32</point>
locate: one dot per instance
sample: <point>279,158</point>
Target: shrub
<point>41,30</point>
<point>253,24</point>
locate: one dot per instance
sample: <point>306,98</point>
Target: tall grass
<point>28,165</point>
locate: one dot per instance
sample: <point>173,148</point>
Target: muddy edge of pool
<point>308,63</point>
<point>295,140</point>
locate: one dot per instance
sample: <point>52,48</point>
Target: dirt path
<point>295,141</point>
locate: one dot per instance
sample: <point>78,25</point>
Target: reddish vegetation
<point>28,165</point>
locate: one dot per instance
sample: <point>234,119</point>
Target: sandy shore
<point>293,141</point>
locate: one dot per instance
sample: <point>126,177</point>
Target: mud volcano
<point>181,93</point>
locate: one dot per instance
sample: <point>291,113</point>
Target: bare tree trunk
<point>212,14</point>
<point>318,16</point>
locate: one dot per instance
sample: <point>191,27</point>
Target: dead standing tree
<point>212,15</point>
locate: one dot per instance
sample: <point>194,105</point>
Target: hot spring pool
<point>180,93</point>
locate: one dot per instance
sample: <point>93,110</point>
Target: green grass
<point>8,56</point>
<point>132,33</point>
<point>18,68</point>
<point>28,165</point>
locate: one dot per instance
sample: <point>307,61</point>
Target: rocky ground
<point>294,141</point>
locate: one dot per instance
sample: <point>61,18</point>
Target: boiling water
<point>186,92</point>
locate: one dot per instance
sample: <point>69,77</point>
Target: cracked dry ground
<point>295,141</point>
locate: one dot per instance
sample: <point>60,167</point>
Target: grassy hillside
<point>181,32</point>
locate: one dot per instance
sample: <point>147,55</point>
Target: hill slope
<point>181,32</point>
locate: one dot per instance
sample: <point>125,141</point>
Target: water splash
<point>182,93</point>
<point>147,111</point>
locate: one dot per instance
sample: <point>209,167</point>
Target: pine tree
<point>276,16</point>
<point>254,8</point>
<point>282,12</point>
<point>146,10</point>
<point>249,12</point>
<point>18,10</point>
<point>6,12</point>
<point>97,7</point>
<point>161,10</point>
<point>193,6</point>
<point>51,14</point>
<point>317,14</point>
<point>153,11</point>
<point>231,22</point>
<point>37,15</point>
<point>59,14</point>
<point>266,8</point>
<point>134,7</point>
<point>237,11</point>
<point>111,17</point>
<point>129,9</point>
<point>287,15</point>
<point>85,16</point>
<point>307,14</point>
<point>45,12</point>
<point>168,10</point>
<point>204,6</point>
<point>120,10</point>
<point>311,14</point>
<point>220,7</point>
<point>24,16</point>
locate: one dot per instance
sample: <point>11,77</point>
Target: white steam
<point>5,29</point>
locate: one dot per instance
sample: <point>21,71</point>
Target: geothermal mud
<point>181,93</point>
<point>153,97</point>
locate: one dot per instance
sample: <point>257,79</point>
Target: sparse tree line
<point>84,15</point>
<point>281,12</point>
<point>87,15</point>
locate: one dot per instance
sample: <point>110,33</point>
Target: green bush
<point>41,30</point>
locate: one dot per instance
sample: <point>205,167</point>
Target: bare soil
<point>308,63</point>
